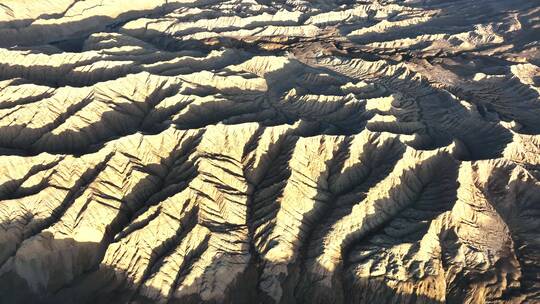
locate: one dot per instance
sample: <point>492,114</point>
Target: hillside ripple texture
<point>275,152</point>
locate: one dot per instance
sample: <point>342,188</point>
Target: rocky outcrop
<point>269,151</point>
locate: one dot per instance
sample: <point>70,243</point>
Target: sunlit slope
<point>269,151</point>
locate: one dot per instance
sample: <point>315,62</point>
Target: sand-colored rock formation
<point>217,151</point>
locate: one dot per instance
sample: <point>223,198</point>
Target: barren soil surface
<point>259,151</point>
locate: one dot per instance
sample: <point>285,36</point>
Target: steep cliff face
<point>218,151</point>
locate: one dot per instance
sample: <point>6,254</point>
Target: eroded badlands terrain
<point>214,151</point>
